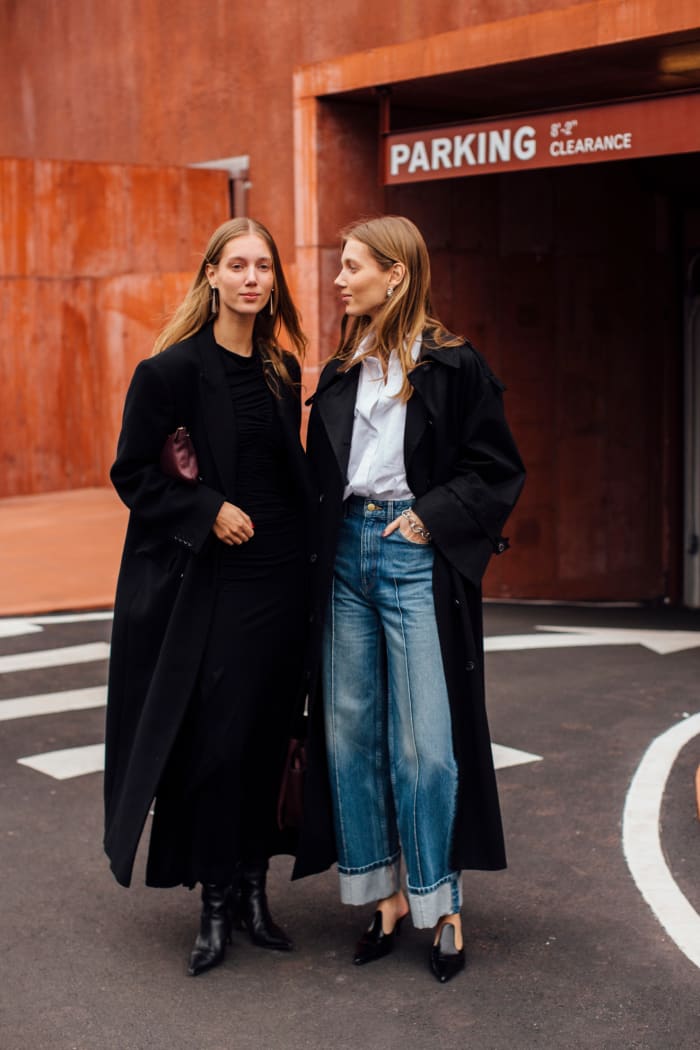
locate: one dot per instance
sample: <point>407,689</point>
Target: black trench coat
<point>466,473</point>
<point>168,572</point>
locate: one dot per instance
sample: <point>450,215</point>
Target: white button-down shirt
<point>376,465</point>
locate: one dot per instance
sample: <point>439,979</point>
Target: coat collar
<point>332,373</point>
<point>334,400</point>
<point>446,355</point>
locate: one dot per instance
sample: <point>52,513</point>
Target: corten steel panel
<point>61,218</point>
<point>128,311</point>
<point>347,168</point>
<point>49,440</point>
<point>86,279</point>
<point>78,226</point>
<point>17,210</point>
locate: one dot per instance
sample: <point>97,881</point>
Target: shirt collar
<point>415,349</point>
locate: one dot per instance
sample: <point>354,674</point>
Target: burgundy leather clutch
<point>290,802</point>
<point>178,459</point>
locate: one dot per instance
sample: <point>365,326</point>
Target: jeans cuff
<point>428,908</point>
<point>371,885</point>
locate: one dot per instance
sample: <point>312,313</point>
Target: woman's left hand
<point>405,529</point>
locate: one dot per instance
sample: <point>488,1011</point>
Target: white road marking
<point>662,642</point>
<point>641,841</point>
<point>70,762</point>
<point>69,654</point>
<point>14,626</point>
<point>510,756</point>
<point>90,617</point>
<point>53,703</point>
<point>511,643</point>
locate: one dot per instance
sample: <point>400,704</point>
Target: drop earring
<point>214,301</point>
<point>390,291</point>
<point>272,304</point>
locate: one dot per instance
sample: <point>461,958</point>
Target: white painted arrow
<point>662,642</point>
<point>510,756</point>
<point>13,627</point>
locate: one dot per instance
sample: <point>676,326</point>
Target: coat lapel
<point>334,401</point>
<point>418,409</point>
<point>416,416</point>
<point>217,413</point>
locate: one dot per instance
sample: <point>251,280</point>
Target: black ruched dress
<point>216,803</point>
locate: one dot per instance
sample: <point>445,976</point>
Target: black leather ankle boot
<point>214,929</point>
<point>250,910</point>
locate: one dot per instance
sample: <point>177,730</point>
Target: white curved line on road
<point>641,840</point>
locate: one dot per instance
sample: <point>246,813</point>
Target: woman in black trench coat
<point>211,601</point>
<point>417,472</point>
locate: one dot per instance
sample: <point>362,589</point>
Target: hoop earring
<point>214,301</point>
<point>272,304</point>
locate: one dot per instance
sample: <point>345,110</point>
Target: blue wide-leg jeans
<point>388,728</point>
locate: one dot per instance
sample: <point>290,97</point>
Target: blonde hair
<point>195,309</point>
<point>408,312</point>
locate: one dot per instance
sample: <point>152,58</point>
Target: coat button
<point>470,665</point>
<point>313,558</point>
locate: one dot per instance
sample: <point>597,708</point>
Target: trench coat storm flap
<point>168,572</point>
<point>465,471</point>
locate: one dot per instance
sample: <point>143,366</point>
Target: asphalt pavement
<point>591,938</point>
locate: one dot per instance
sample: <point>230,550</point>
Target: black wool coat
<point>465,471</point>
<point>166,585</point>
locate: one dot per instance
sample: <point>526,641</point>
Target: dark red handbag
<point>290,803</point>
<point>178,458</point>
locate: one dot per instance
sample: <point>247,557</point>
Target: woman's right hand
<point>232,525</point>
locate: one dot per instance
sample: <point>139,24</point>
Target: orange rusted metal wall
<point>566,281</point>
<point>173,82</point>
<point>91,258</point>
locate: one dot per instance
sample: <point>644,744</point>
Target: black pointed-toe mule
<point>446,960</point>
<point>374,943</point>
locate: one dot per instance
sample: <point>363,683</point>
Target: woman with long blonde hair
<point>210,609</point>
<point>418,472</point>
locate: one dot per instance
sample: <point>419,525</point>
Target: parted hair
<point>408,313</point>
<point>195,309</point>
